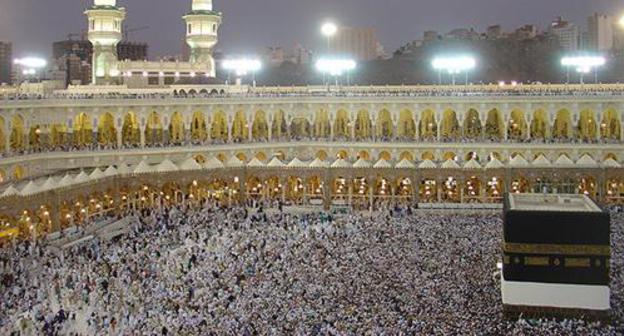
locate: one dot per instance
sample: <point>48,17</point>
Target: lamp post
<point>328,30</point>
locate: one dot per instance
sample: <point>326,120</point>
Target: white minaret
<point>105,23</point>
<point>202,26</point>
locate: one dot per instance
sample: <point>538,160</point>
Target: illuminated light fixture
<point>31,62</point>
<point>454,65</point>
<point>583,61</point>
<point>242,66</point>
<point>335,67</point>
<point>115,73</point>
<point>177,74</point>
<point>161,74</point>
<point>583,64</point>
<point>192,74</point>
<point>329,29</point>
<point>145,74</point>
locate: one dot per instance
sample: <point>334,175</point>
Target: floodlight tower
<point>202,25</point>
<point>105,23</point>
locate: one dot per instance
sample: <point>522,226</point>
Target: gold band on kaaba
<point>550,249</point>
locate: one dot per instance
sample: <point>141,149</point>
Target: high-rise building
<point>6,62</point>
<point>359,43</point>
<point>81,48</point>
<point>567,33</point>
<point>600,32</point>
<point>132,51</point>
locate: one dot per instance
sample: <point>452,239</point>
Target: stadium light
<point>242,67</point>
<point>31,62</point>
<point>335,67</point>
<point>583,65</point>
<point>454,65</point>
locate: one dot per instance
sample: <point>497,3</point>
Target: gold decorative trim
<point>550,249</point>
<point>577,262</point>
<point>536,261</point>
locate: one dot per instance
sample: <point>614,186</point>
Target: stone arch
<point>153,129</point>
<point>450,126</point>
<point>384,125</point>
<point>35,137</point>
<point>428,126</point>
<point>471,156</point>
<point>385,155</point>
<point>611,156</point>
<point>83,130</point>
<point>240,128</point>
<point>200,158</point>
<point>587,126</point>
<point>17,133</point>
<point>260,127</point>
<point>321,155</point>
<point>130,132</point>
<point>494,126</point>
<point>610,127</point>
<point>19,172</point>
<point>539,125</point>
<point>450,156</point>
<point>428,156</point>
<point>364,155</point>
<point>58,135</point>
<point>261,156</point>
<point>199,131</point>
<point>241,156</point>
<point>279,129</point>
<point>406,156</point>
<point>219,128</point>
<point>322,127</point>
<point>363,125</point>
<point>342,125</point>
<point>517,127</point>
<point>342,154</point>
<point>177,133</point>
<point>107,134</point>
<point>300,128</point>
<point>562,125</point>
<point>472,126</point>
<point>406,128</point>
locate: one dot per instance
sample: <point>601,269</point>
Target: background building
<point>600,32</point>
<point>6,62</point>
<point>133,51</point>
<point>567,33</point>
<point>359,43</point>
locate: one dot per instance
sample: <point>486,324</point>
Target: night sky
<point>249,25</point>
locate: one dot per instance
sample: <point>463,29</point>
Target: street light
<point>335,67</point>
<point>243,66</point>
<point>583,65</point>
<point>454,65</point>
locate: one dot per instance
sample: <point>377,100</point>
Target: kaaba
<point>556,255</point>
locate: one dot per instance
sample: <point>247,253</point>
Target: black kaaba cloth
<point>550,244</point>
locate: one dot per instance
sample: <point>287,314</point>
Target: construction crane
<point>127,31</point>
